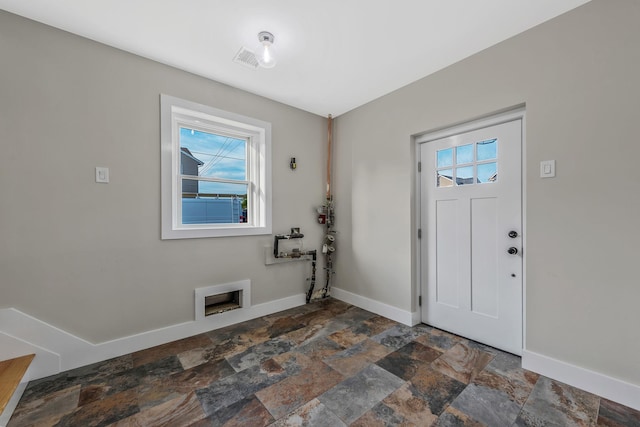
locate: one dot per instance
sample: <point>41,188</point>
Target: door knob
<point>513,234</point>
<point>512,251</point>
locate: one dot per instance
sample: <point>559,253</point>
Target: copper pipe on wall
<point>329,140</point>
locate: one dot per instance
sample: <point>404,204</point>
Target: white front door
<point>471,246</point>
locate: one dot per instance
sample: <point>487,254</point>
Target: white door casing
<point>470,284</point>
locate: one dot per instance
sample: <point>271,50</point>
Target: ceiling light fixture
<point>265,54</point>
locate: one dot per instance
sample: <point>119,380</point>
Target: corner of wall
<point>394,313</point>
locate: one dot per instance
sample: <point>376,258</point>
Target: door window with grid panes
<point>467,164</point>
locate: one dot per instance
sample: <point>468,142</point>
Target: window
<point>216,177</point>
<point>467,164</point>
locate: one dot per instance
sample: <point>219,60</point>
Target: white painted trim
<point>524,232</point>
<point>386,310</point>
<point>493,119</point>
<point>175,112</point>
<point>417,225</point>
<point>5,416</point>
<point>44,363</point>
<point>594,382</point>
<point>416,317</point>
<point>75,352</point>
<point>202,293</point>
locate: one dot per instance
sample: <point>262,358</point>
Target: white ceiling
<point>333,55</point>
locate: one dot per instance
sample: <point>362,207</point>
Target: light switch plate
<point>547,169</point>
<point>102,175</point>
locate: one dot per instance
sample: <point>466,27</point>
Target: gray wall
<point>87,257</point>
<point>92,262</point>
<point>578,76</point>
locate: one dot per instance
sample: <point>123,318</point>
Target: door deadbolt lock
<point>513,234</point>
<point>512,251</point>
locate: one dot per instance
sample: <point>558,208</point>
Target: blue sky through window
<point>487,149</point>
<point>464,154</point>
<point>223,157</point>
<point>487,172</point>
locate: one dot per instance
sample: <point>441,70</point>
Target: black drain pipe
<point>297,253</point>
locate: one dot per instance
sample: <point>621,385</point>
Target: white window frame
<point>176,113</point>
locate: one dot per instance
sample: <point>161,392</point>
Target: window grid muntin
<point>454,166</point>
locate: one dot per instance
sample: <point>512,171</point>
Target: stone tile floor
<point>322,364</point>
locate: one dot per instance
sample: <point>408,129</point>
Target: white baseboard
<point>610,388</point>
<point>44,363</point>
<point>390,312</point>
<point>19,332</point>
<point>75,352</point>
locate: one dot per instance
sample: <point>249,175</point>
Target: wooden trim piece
<point>11,373</point>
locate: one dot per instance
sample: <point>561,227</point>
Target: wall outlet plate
<point>102,175</point>
<point>547,169</point>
